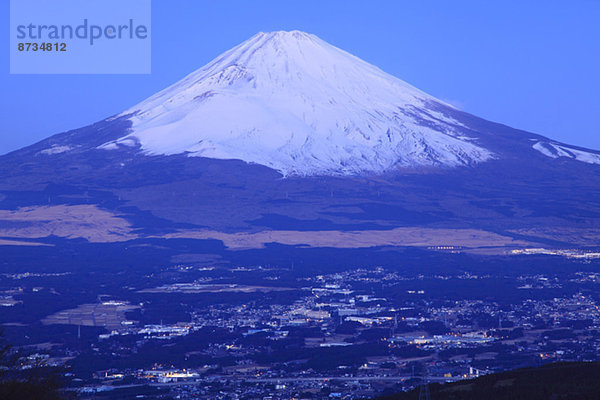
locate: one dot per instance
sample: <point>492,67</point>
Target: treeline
<point>22,378</point>
<point>559,381</point>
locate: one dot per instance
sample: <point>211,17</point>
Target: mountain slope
<point>357,148</point>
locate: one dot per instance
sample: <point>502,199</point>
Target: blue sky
<point>529,64</point>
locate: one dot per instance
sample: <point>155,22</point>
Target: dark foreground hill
<point>561,381</point>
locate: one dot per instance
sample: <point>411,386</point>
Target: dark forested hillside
<point>561,381</point>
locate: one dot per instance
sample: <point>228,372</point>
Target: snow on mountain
<point>292,102</point>
<point>556,150</point>
<point>55,149</point>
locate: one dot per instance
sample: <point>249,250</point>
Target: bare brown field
<point>408,236</point>
<point>6,242</point>
<point>79,221</point>
<point>96,225</point>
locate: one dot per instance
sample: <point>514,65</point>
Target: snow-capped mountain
<point>360,150</point>
<point>294,103</point>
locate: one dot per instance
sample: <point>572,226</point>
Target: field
<point>108,315</point>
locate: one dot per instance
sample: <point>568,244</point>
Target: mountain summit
<point>294,103</point>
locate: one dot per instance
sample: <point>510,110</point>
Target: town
<point>357,333</point>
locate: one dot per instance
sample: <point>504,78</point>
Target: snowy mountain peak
<point>292,102</point>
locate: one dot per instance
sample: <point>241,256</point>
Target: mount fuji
<point>292,102</point>
<point>286,132</point>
